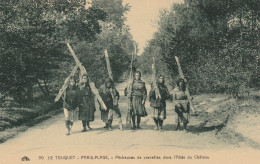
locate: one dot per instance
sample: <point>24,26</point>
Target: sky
<point>142,18</point>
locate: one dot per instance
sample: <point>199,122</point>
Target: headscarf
<point>109,80</point>
<point>159,78</point>
<point>184,84</point>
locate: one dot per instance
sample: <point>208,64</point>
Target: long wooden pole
<point>66,84</point>
<point>91,84</point>
<point>155,85</point>
<point>129,92</point>
<point>187,90</point>
<point>108,65</point>
<point>115,98</point>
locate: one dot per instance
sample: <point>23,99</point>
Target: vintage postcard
<point>129,81</point>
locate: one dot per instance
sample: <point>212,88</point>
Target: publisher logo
<point>25,158</point>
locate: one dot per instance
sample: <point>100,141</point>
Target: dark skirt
<point>138,107</point>
<point>87,110</point>
<point>182,114</point>
<point>159,113</point>
<point>106,115</point>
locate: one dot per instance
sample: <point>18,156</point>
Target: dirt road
<point>49,137</point>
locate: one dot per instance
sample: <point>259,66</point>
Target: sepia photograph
<point>129,81</point>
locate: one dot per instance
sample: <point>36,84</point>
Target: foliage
<point>217,43</point>
<point>114,36</point>
<point>33,35</point>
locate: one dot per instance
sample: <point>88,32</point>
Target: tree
<point>32,41</point>
<point>114,36</point>
<point>216,41</point>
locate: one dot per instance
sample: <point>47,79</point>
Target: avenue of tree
<point>33,36</point>
<point>217,42</point>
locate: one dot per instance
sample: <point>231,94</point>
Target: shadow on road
<point>195,129</point>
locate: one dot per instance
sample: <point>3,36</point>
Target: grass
<point>238,118</point>
<point>17,119</point>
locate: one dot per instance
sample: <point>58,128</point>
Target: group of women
<point>79,103</point>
